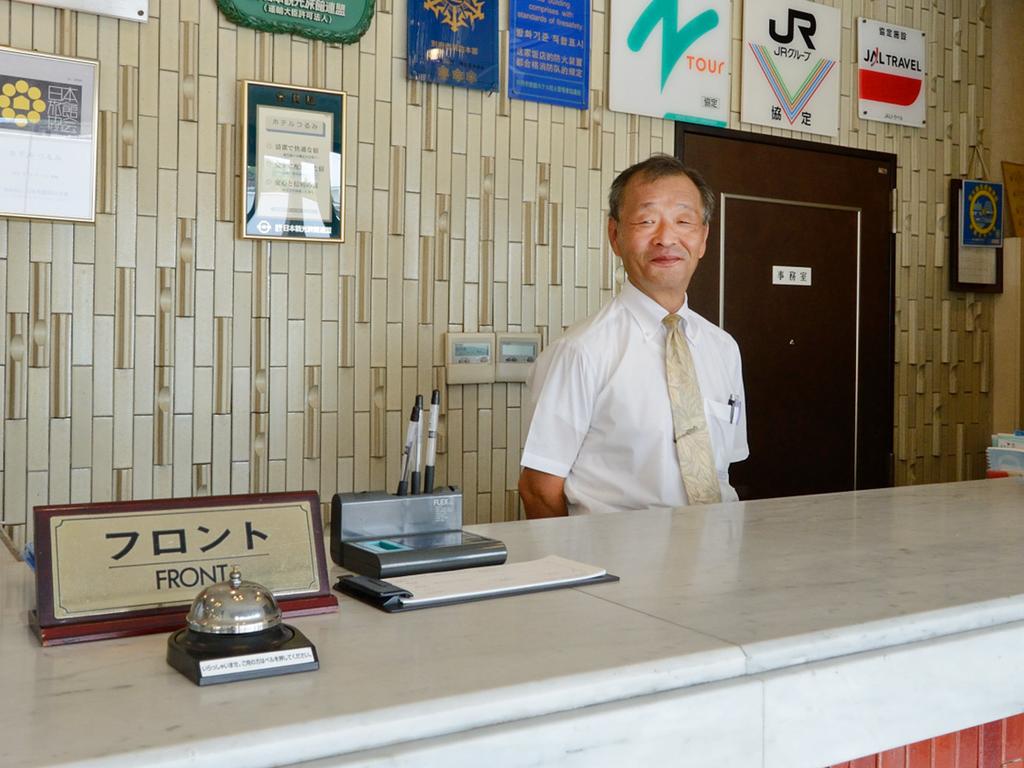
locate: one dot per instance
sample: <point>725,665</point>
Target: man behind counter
<point>641,405</point>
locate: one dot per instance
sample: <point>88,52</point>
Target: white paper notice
<point>977,265</point>
<point>447,586</point>
<point>233,665</point>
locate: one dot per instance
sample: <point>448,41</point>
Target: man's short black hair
<point>657,167</point>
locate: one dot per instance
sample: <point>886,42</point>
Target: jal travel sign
<point>791,66</point>
<point>671,59</point>
<point>891,71</point>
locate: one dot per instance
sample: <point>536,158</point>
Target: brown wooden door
<point>817,349</point>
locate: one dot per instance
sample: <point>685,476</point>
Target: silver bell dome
<point>233,607</point>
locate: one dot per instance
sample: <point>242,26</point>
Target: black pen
<point>428,469</point>
<point>410,436</point>
<point>414,455</point>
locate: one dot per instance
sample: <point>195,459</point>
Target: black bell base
<point>207,659</point>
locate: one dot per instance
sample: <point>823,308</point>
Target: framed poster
<point>293,161</point>
<point>48,113</point>
<point>971,268</point>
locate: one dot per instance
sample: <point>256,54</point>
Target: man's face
<point>660,236</point>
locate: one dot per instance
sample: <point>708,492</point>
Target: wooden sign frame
<point>957,252</point>
<point>52,629</point>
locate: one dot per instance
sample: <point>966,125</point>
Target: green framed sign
<point>293,163</point>
<point>333,21</point>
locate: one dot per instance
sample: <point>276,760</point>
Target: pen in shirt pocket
<point>734,409</point>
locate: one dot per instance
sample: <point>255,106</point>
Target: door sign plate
<point>791,275</point>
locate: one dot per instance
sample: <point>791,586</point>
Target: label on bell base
<point>231,665</point>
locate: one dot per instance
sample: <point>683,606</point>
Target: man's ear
<point>613,235</point>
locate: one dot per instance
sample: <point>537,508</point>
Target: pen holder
<point>380,514</point>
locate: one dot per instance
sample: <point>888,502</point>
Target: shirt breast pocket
<point>722,431</point>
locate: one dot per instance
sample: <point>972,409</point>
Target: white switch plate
<point>791,275</point>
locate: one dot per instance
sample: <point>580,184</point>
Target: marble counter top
<point>722,604</point>
<point>805,578</point>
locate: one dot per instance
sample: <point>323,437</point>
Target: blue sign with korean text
<point>549,51</point>
<point>454,42</point>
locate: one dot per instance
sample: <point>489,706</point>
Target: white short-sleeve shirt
<point>600,410</point>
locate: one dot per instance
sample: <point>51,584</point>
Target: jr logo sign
<point>680,73</point>
<point>790,65</point>
<point>801,20</point>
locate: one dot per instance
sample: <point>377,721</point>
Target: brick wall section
<point>999,744</point>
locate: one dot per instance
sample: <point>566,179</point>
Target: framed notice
<point>971,268</point>
<point>293,160</point>
<point>48,111</point>
<point>128,568</point>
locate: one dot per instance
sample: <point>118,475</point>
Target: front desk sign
<point>126,568</point>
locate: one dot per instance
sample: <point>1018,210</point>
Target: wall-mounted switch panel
<point>516,353</point>
<point>469,358</point>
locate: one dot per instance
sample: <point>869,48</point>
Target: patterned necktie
<point>693,443</point>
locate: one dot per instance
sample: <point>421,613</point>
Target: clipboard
<point>451,588</point>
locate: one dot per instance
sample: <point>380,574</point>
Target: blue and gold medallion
<point>982,214</point>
